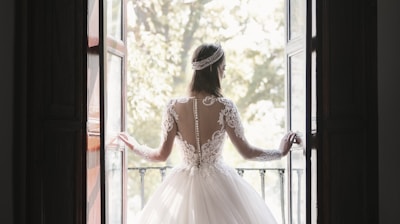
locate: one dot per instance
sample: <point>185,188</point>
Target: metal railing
<point>262,172</point>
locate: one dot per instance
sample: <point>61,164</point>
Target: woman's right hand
<point>287,142</point>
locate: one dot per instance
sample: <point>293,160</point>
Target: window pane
<point>93,23</point>
<point>93,140</point>
<point>114,187</point>
<point>114,19</point>
<point>296,18</point>
<point>113,154</point>
<point>298,111</point>
<point>113,96</point>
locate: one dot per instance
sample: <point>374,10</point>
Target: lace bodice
<point>202,125</point>
<point>203,150</point>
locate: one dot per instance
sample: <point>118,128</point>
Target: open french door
<point>300,58</point>
<point>300,55</point>
<point>112,93</point>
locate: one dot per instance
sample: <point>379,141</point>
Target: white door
<point>113,110</point>
<point>301,110</point>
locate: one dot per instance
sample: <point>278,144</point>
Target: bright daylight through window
<point>161,37</point>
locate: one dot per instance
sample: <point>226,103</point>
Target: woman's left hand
<point>128,140</point>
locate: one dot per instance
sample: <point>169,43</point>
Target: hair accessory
<point>199,65</point>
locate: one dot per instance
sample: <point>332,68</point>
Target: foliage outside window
<point>161,36</point>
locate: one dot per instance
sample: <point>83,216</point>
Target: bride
<point>203,189</point>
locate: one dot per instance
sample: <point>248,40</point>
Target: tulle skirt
<point>206,195</point>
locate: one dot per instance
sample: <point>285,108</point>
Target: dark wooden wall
<point>347,112</point>
<point>50,111</point>
<point>51,107</point>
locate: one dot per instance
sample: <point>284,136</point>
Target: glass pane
<point>298,111</point>
<point>296,18</point>
<point>113,154</point>
<point>313,19</point>
<point>93,164</point>
<point>93,141</point>
<point>114,19</point>
<point>93,23</point>
<point>113,96</point>
<point>114,177</point>
<point>313,130</point>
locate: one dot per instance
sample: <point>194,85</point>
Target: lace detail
<point>211,150</point>
<point>268,155</point>
<point>169,118</point>
<point>232,118</point>
<point>205,170</point>
<point>143,150</point>
<point>209,100</point>
<point>188,150</point>
<point>168,122</point>
<point>199,65</point>
<point>210,158</point>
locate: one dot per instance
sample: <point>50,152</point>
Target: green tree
<point>162,35</point>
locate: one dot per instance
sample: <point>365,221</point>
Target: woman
<point>202,189</point>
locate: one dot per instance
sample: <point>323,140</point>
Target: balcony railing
<point>141,171</point>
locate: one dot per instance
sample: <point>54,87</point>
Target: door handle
<point>314,140</point>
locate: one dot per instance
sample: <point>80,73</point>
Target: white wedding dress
<point>203,189</point>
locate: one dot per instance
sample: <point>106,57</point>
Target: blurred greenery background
<point>161,36</point>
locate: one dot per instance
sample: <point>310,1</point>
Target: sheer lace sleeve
<point>168,120</point>
<point>235,131</point>
<point>168,132</point>
<point>267,155</point>
<point>139,149</point>
<point>144,151</point>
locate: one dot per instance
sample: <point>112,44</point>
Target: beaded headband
<point>199,65</point>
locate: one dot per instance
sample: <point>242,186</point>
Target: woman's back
<point>201,127</point>
<point>203,189</point>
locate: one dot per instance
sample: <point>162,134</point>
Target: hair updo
<point>207,79</point>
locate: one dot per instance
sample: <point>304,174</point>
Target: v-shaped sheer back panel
<point>216,116</point>
<point>211,128</point>
<point>208,116</point>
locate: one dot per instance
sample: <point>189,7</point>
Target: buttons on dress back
<point>197,132</point>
